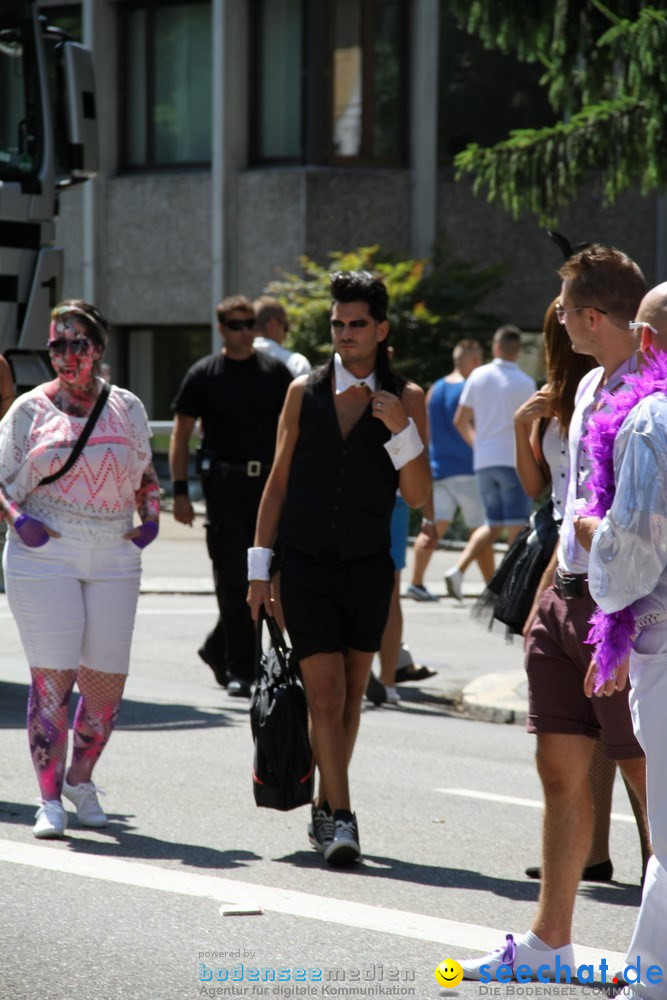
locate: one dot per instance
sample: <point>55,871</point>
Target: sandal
<point>413,673</point>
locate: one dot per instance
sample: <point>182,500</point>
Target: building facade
<point>237,135</point>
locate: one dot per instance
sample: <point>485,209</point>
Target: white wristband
<point>259,561</point>
<point>403,447</point>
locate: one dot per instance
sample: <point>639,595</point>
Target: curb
<point>496,698</point>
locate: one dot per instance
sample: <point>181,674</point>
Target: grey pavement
<point>480,674</point>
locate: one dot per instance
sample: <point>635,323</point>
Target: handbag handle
<point>83,437</point>
<point>278,643</point>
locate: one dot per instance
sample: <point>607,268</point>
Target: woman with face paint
<point>72,560</point>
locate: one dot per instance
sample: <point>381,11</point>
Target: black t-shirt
<point>239,403</point>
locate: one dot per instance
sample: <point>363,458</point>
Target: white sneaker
<point>89,812</point>
<point>51,819</point>
<point>520,952</point>
<point>392,697</point>
<point>454,583</point>
<point>419,593</point>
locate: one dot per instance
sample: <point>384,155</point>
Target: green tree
<point>606,77</point>
<point>433,303</point>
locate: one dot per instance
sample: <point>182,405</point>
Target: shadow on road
<point>120,841</point>
<point>619,893</point>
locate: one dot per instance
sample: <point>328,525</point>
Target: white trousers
<point>648,704</point>
<point>74,603</point>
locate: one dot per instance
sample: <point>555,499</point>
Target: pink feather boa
<point>612,634</point>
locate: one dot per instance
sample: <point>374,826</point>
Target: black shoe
<point>344,849</point>
<point>219,673</point>
<point>239,689</point>
<point>375,691</point>
<point>321,827</point>
<point>601,872</point>
<point>413,673</point>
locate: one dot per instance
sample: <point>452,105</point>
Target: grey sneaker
<point>51,819</point>
<point>344,849</point>
<point>320,827</point>
<point>89,812</point>
<point>454,583</point>
<point>419,593</point>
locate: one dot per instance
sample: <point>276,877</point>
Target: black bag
<point>283,768</point>
<point>511,590</point>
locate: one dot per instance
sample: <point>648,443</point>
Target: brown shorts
<point>556,663</point>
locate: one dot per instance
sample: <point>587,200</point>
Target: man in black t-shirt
<point>238,395</point>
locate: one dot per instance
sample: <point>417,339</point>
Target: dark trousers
<point>232,500</point>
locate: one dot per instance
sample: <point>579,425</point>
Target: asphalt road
<point>449,814</point>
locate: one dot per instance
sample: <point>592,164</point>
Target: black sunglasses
<point>239,324</point>
<point>78,345</point>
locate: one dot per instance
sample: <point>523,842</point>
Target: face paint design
<point>73,365</point>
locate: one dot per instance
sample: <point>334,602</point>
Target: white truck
<point>48,142</point>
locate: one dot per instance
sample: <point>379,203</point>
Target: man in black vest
<point>350,434</point>
<point>238,393</point>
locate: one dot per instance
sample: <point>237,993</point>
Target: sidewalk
<point>480,675</point>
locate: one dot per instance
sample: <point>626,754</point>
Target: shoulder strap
<point>83,437</point>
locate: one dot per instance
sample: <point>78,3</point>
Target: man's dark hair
<point>606,278</point>
<point>361,286</point>
<point>232,302</point>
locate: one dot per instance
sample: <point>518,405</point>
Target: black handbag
<point>510,592</point>
<point>283,766</point>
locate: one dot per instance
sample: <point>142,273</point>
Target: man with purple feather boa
<point>600,293</point>
<point>625,527</point>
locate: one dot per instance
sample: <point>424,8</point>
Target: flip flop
<point>414,673</point>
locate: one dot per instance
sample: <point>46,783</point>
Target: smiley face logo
<point>449,973</point>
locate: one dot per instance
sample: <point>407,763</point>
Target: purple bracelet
<point>31,531</point>
<point>147,534</point>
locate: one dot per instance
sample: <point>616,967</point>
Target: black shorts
<point>332,605</point>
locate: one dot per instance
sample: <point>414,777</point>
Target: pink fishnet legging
<point>96,715</point>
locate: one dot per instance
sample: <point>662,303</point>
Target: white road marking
<point>512,800</point>
<point>248,896</point>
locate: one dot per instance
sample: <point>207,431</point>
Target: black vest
<point>341,492</point>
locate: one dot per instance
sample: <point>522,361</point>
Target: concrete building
<point>238,134</point>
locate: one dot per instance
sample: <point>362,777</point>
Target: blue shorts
<point>399,533</point>
<point>504,500</point>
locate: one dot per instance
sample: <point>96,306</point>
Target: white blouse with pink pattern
<point>95,500</point>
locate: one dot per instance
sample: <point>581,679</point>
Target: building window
<point>368,80</point>
<point>329,81</point>
<point>483,93</point>
<point>278,58</point>
<point>167,84</point>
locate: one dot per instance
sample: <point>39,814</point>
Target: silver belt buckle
<point>254,469</point>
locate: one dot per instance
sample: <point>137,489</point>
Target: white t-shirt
<point>296,363</point>
<point>95,500</point>
<point>495,392</point>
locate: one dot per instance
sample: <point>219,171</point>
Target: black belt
<point>571,585</point>
<point>252,469</point>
